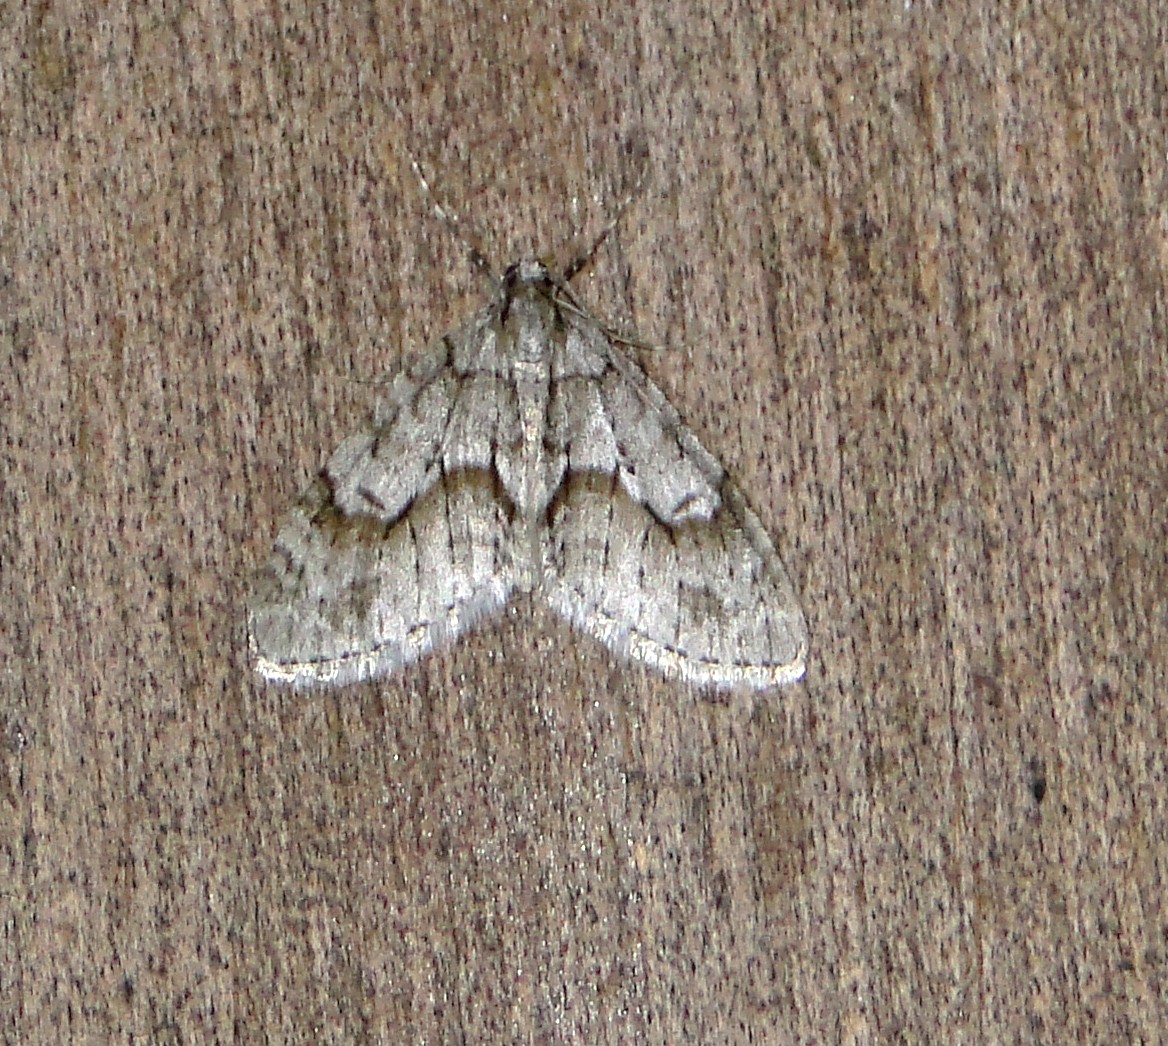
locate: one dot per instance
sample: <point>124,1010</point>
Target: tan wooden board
<point>906,263</point>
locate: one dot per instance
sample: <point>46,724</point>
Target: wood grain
<point>909,267</point>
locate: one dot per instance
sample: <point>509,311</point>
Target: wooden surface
<point>909,267</point>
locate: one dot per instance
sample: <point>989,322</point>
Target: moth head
<point>529,270</point>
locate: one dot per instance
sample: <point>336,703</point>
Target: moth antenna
<point>469,241</point>
<point>585,258</point>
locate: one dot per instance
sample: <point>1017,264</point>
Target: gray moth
<point>525,452</point>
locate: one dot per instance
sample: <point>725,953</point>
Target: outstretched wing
<point>403,542</point>
<point>655,554</point>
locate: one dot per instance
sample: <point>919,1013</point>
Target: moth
<point>525,452</point>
